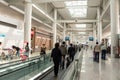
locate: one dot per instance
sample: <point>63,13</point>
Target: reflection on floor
<point>104,70</point>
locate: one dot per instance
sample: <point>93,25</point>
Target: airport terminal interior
<point>59,39</point>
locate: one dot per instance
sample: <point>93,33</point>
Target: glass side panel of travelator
<point>20,70</point>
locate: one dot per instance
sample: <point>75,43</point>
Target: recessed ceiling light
<point>80,25</point>
<point>81,32</point>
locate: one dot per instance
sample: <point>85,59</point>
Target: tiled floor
<point>104,70</point>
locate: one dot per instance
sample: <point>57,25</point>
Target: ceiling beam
<point>60,25</point>
<point>106,27</point>
<point>41,11</point>
<point>76,21</point>
<point>105,9</point>
<point>46,15</point>
<point>22,12</point>
<point>48,1</point>
<point>81,34</point>
<point>76,6</point>
<point>78,29</point>
<point>104,20</point>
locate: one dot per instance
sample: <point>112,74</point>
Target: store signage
<point>2,35</point>
<point>91,39</point>
<point>67,38</point>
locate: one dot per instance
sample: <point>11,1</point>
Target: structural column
<point>55,27</point>
<point>71,37</point>
<point>27,22</point>
<point>114,10</point>
<point>64,32</point>
<point>94,33</point>
<point>99,26</point>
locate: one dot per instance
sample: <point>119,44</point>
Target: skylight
<point>80,25</point>
<point>77,8</point>
<point>76,3</point>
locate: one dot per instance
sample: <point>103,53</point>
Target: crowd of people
<point>62,55</point>
<point>14,52</point>
<point>100,48</point>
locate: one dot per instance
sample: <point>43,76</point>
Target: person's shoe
<point>55,75</point>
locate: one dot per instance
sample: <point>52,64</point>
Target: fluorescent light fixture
<point>77,8</point>
<point>81,32</point>
<point>80,25</point>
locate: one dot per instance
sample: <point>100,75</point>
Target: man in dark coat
<point>56,55</point>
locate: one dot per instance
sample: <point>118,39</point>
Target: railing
<point>73,70</point>
<point>25,70</point>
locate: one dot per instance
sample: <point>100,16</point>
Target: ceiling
<point>63,11</point>
<point>91,10</point>
<point>91,14</point>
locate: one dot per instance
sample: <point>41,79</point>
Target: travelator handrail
<point>72,70</point>
<point>12,63</point>
<point>36,62</point>
<point>31,59</point>
<point>42,74</point>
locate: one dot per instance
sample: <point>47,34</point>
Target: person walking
<point>96,52</point>
<point>71,52</point>
<point>43,51</point>
<point>64,52</point>
<point>27,49</point>
<point>103,51</point>
<point>56,56</point>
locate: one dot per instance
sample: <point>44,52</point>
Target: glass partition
<point>20,70</point>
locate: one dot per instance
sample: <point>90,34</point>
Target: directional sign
<point>2,35</point>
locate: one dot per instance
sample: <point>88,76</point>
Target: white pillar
<point>114,10</point>
<point>55,28</point>
<point>99,26</point>
<point>94,33</point>
<point>27,22</point>
<point>64,32</point>
<point>71,37</point>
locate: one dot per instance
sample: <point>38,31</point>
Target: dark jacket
<point>56,54</point>
<point>71,50</point>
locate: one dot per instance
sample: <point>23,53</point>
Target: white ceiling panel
<point>58,4</point>
<point>64,13</point>
<point>94,2</point>
<point>92,12</point>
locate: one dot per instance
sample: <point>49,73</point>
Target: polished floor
<point>104,70</point>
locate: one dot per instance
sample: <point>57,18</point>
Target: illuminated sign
<point>91,39</point>
<point>67,38</point>
<point>2,35</point>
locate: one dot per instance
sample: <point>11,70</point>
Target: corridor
<point>104,70</point>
